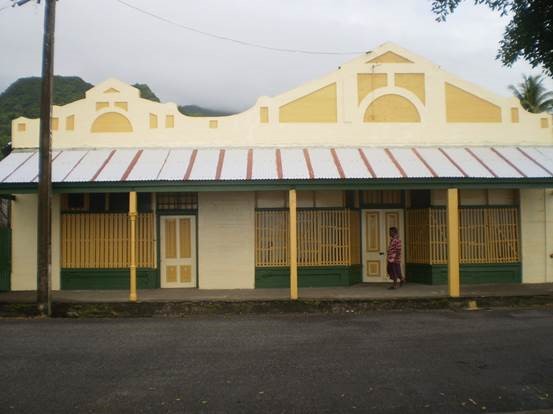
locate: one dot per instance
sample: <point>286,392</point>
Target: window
<point>382,198</point>
<point>105,202</point>
<point>144,201</point>
<point>76,202</point>
<point>97,203</point>
<point>177,201</point>
<point>118,203</point>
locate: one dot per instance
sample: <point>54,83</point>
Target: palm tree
<point>532,94</point>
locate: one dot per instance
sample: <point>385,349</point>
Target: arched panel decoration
<point>111,122</point>
<point>391,108</point>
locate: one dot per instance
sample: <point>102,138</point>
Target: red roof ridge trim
<point>20,165</point>
<point>53,159</point>
<point>131,165</point>
<point>308,163</point>
<point>249,167</point>
<point>419,156</point>
<point>163,164</point>
<point>396,163</point>
<point>451,160</point>
<point>481,162</point>
<point>220,162</point>
<point>278,161</point>
<point>539,164</point>
<point>190,164</point>
<point>508,162</point>
<point>366,162</point>
<point>103,165</point>
<point>75,166</point>
<point>337,163</point>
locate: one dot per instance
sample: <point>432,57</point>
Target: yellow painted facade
<point>329,111</point>
<point>514,115</point>
<point>101,105</point>
<point>264,115</point>
<point>70,123</point>
<point>153,121</point>
<point>122,105</point>
<point>368,82</point>
<point>463,106</point>
<point>111,122</point>
<point>389,57</point>
<point>413,82</point>
<point>169,121</point>
<point>391,109</point>
<point>318,106</point>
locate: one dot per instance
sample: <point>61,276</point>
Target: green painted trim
<point>323,276</point>
<point>474,206</point>
<point>470,273</point>
<point>90,279</point>
<point>5,259</point>
<point>271,185</point>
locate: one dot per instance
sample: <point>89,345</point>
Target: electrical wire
<point>237,41</point>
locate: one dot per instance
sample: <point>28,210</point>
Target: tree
<point>532,94</point>
<point>528,35</point>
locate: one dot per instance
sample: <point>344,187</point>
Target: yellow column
<point>293,246</point>
<point>453,250</point>
<point>132,264</point>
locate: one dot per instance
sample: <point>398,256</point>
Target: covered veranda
<point>289,170</point>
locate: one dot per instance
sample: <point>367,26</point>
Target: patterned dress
<point>393,255</point>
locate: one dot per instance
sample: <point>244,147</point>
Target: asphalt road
<point>396,362</point>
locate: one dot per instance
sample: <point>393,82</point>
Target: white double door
<point>374,241</point>
<point>178,251</point>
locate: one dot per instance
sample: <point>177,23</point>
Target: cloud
<point>102,38</point>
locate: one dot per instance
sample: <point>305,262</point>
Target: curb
<point>331,306</point>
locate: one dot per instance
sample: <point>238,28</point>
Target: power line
<point>237,41</point>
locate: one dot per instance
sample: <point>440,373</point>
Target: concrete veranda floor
<point>358,292</point>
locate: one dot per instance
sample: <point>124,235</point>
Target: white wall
<point>24,259</point>
<point>536,209</point>
<point>24,242</point>
<point>226,240</point>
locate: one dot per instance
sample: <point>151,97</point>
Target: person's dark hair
<point>393,230</point>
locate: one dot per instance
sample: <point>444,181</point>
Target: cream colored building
<point>374,144</point>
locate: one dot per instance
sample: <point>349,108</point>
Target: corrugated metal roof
<point>209,164</point>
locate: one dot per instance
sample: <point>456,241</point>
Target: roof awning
<point>179,166</point>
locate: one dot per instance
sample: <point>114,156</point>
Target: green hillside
<point>195,110</point>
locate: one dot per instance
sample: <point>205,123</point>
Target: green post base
<point>90,279</point>
<point>470,273</point>
<point>324,276</point>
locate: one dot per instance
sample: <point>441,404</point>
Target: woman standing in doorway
<point>393,267</point>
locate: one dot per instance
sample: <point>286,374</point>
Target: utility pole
<point>44,227</point>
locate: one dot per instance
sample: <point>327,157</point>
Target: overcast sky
<point>97,39</point>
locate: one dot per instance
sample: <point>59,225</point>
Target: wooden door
<point>375,238</point>
<point>178,251</point>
